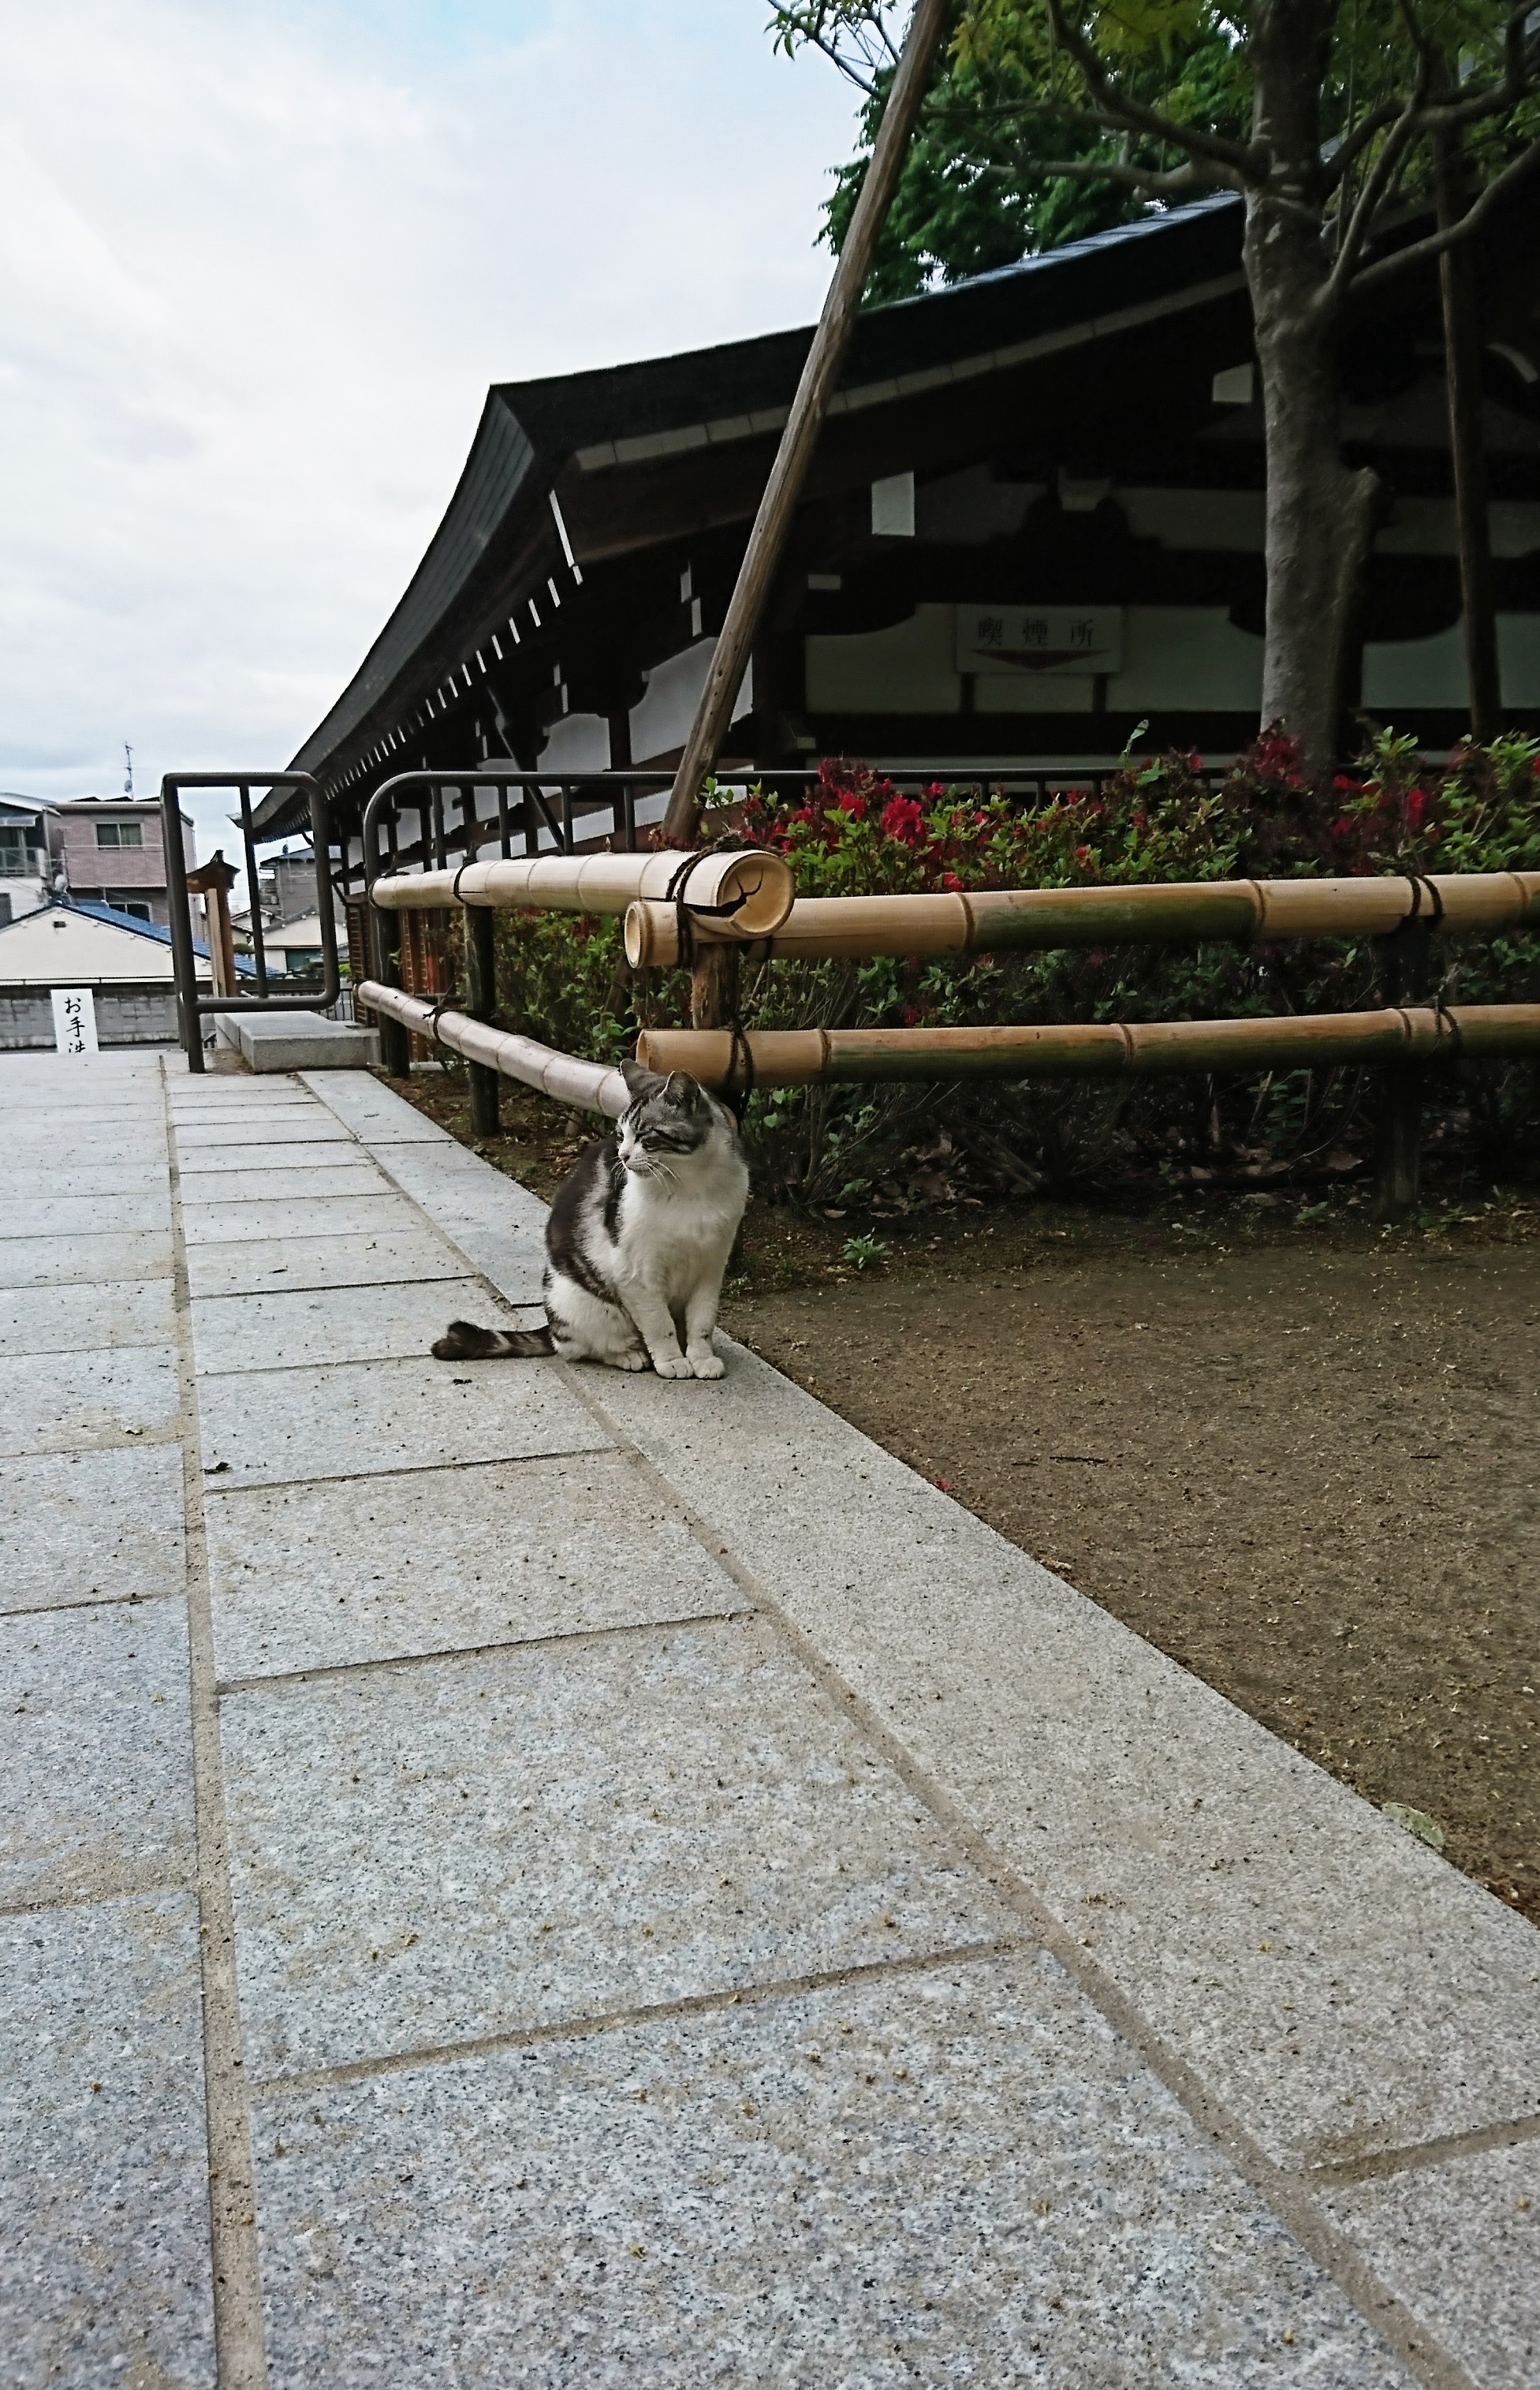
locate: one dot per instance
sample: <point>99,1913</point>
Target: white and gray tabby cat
<point>637,1240</point>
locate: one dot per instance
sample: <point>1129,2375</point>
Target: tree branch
<point>1372,277</point>
<point>1376,184</point>
<point>1114,108</point>
<point>1176,183</point>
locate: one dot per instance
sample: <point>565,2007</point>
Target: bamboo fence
<point>737,892</point>
<point>990,921</point>
<point>796,1058</point>
<point>593,1085</point>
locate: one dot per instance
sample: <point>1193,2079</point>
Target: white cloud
<point>257,266</point>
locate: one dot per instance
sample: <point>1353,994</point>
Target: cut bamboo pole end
<point>743,893</point>
<point>566,1078</point>
<point>792,1057</point>
<point>993,920</point>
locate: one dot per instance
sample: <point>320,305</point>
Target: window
<point>13,852</point>
<point>121,833</point>
<point>123,904</point>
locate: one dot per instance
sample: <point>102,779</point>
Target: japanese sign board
<point>1078,639</point>
<point>74,1020</point>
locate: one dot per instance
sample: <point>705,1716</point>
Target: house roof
<point>127,924</point>
<point>630,414</point>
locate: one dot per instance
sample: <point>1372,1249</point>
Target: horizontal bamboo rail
<point>987,921</point>
<point>741,892</point>
<point>591,1084</point>
<point>795,1058</point>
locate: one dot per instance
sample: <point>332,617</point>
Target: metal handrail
<point>191,1005</point>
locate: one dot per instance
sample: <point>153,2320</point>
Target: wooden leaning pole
<point>819,374</point>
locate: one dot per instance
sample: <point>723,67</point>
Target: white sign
<point>74,1020</point>
<point>1078,639</point>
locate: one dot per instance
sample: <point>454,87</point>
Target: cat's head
<point>668,1120</point>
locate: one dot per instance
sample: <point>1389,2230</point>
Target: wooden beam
<point>777,507</point>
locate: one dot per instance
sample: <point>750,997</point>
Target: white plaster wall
<point>1185,655</point>
<point>1227,522</point>
<point>909,668</point>
<point>1518,657</point>
<point>53,948</point>
<point>579,743</point>
<point>662,722</point>
<point>1414,672</point>
<point>972,505</point>
<point>1033,692</point>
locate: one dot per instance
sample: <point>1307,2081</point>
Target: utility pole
<point>799,437</point>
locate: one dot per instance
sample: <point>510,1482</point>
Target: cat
<point>637,1240</point>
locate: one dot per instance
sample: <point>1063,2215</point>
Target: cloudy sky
<point>258,259</point>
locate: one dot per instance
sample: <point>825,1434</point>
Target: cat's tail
<point>463,1342</point>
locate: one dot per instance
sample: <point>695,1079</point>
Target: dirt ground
<point>1293,1450</point>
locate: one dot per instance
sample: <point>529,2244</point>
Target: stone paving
<point>529,1876</point>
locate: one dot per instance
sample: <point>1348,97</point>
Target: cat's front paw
<point>707,1364</point>
<point>629,1361</point>
<point>673,1366</point>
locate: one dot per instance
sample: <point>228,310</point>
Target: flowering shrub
<point>1159,818</point>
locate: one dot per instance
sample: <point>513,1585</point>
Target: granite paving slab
<point>293,1125</point>
<point>77,1261</point>
<point>1338,1987</point>
<point>351,1323</point>
<point>459,1188</point>
<point>82,1525</point>
<point>354,1175</point>
<point>513,1262</point>
<point>315,1576</point>
<point>96,1762</point>
<point>279,1264</point>
<point>256,1160</point>
<point>49,1172</point>
<point>74,1318</point>
<point>293,1215</point>
<point>616,1822</point>
<point>85,1215</point>
<point>59,1402</point>
<point>372,1111</point>
<point>1460,2243</point>
<point>359,1418</point>
<point>958,2176</point>
<point>104,2199</point>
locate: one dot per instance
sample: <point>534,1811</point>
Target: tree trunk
<point>1321,513</point>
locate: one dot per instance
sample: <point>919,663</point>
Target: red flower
<point>1341,827</point>
<point>1417,805</point>
<point>952,884</point>
<point>902,818</point>
<point>909,1015</point>
<point>853,806</point>
<point>1082,854</point>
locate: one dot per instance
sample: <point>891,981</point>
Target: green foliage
<point>1015,96</point>
<point>1161,818</point>
<point>865,1253</point>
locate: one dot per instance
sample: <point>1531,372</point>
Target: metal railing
<point>192,1003</point>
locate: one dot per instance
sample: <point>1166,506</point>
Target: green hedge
<point>564,979</point>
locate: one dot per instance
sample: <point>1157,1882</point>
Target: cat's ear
<point>683,1092</point>
<point>640,1080</point>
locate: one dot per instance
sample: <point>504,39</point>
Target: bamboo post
<point>1398,1124</point>
<point>991,920</point>
<point>395,1052</point>
<point>1387,1035</point>
<point>480,955</point>
<point>777,507</point>
<point>745,892</point>
<point>565,1078</point>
